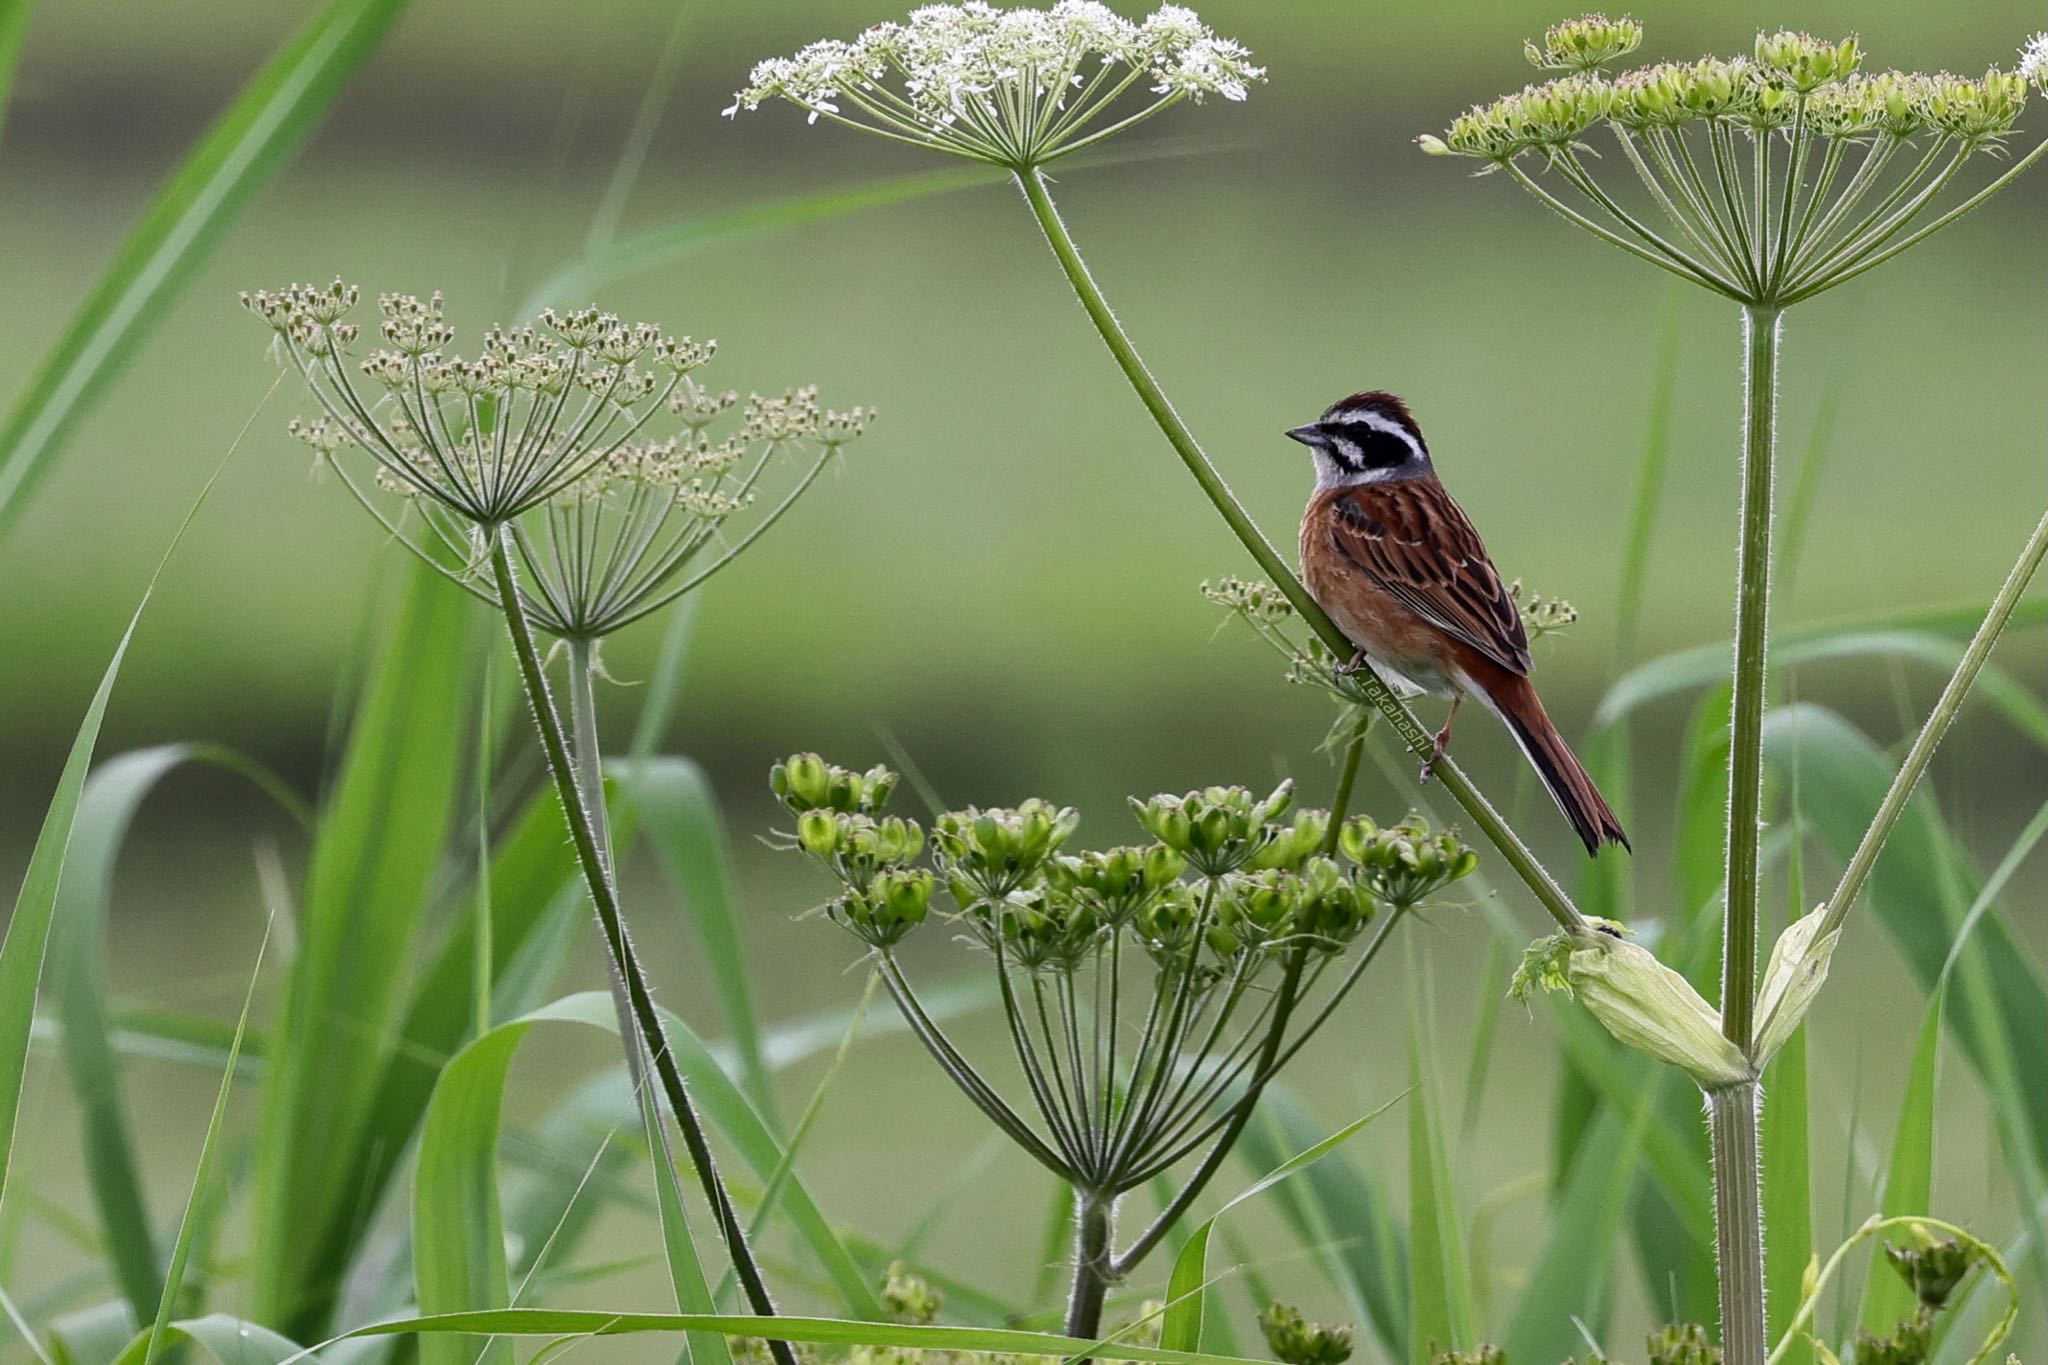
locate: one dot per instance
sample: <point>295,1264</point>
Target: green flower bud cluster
<point>1043,932</point>
<point>910,1298</point>
<point>1791,75</point>
<point>1116,883</point>
<point>1252,598</point>
<point>1217,829</point>
<point>1806,63</point>
<point>1319,904</point>
<point>1585,44</point>
<point>1681,1343</point>
<point>1486,1353</point>
<point>1296,1341</point>
<point>1405,864</point>
<point>806,782</point>
<point>987,854</point>
<point>1909,1343</point>
<point>1934,1268</point>
<point>1552,115</point>
<point>1541,615</point>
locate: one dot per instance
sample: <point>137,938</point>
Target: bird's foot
<point>1351,665</point>
<point>1442,744</point>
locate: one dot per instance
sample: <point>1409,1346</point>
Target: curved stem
<point>1420,741</point>
<point>604,896</point>
<point>1938,721</point>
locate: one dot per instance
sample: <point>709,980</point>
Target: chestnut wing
<point>1414,541</point>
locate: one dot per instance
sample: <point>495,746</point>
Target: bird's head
<point>1366,438</point>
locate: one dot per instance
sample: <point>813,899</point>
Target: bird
<point>1394,561</point>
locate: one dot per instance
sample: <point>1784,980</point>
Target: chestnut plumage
<point>1397,564</point>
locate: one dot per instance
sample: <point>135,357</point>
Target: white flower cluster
<point>2034,61</point>
<point>1017,87</point>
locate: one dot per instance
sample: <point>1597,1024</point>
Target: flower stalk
<point>595,862</point>
<point>1777,177</point>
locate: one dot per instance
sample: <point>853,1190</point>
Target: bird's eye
<point>1376,449</point>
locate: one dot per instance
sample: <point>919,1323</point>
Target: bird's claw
<point>1352,665</point>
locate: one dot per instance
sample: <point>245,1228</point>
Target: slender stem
<point>1938,721</point>
<point>1752,630</point>
<point>1738,1221</point>
<point>1419,740</point>
<point>603,894</point>
<point>1092,1219</point>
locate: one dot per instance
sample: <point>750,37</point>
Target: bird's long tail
<point>1570,786</point>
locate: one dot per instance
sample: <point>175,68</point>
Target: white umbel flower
<point>1016,87</point>
<point>2034,61</point>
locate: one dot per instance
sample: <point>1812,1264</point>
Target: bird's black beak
<point>1310,435</point>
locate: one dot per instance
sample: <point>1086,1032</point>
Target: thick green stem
<point>1938,721</point>
<point>1752,635</point>
<point>1092,1219</point>
<point>1419,740</point>
<point>1738,1222</point>
<point>1732,1113</point>
<point>597,873</point>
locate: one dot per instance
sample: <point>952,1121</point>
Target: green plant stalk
<point>1738,1221</point>
<point>1752,635</point>
<point>1092,1226</point>
<point>1732,1113</point>
<point>597,873</point>
<point>1420,741</point>
<point>1939,719</point>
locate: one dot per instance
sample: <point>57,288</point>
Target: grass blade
<point>378,847</point>
<point>77,969</point>
<point>1186,1291</point>
<point>13,28</point>
<point>1691,668</point>
<point>680,818</point>
<point>1909,1180</point>
<point>271,114</point>
<point>685,1270</point>
<point>233,1341</point>
<point>1649,491</point>
<point>1919,892</point>
<point>561,1322</point>
<point>28,929</point>
<point>1787,1153</point>
<point>181,1250</point>
<point>1438,1272</point>
<point>1573,1280</point>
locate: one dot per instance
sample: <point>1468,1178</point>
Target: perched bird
<point>1395,562</point>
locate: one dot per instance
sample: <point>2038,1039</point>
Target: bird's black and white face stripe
<point>1367,438</point>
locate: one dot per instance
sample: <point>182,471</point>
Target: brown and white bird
<point>1393,559</point>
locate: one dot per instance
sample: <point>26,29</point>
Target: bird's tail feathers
<point>1566,778</point>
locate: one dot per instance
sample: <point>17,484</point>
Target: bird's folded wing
<point>1414,540</point>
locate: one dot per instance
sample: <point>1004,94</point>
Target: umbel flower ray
<point>1775,175</point>
<point>1013,87</point>
<point>542,437</point>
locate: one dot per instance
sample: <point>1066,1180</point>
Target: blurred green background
<point>1002,579</point>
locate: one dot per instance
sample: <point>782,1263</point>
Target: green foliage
<point>276,110</point>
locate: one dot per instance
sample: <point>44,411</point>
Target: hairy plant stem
<point>1092,1226</point>
<point>594,859</point>
<point>1939,719</point>
<point>1732,1126</point>
<point>1760,328</point>
<point>1420,741</point>
<point>1738,1221</point>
